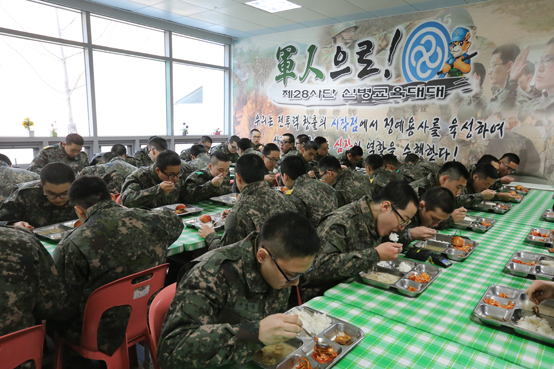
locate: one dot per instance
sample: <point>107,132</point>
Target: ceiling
<point>235,19</point>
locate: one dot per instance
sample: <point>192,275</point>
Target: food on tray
<point>513,193</point>
<point>384,264</point>
<point>343,339</point>
<point>315,323</point>
<point>483,222</point>
<point>458,241</point>
<point>48,232</point>
<point>180,209</point>
<point>551,250</point>
<point>284,189</point>
<point>324,356</point>
<point>77,224</point>
<point>517,196</point>
<point>464,248</point>
<point>505,295</point>
<point>393,237</point>
<point>382,277</point>
<point>519,188</point>
<point>501,206</point>
<point>205,218</point>
<point>404,267</point>
<point>274,354</point>
<point>423,278</point>
<point>493,302</point>
<point>303,363</point>
<point>536,324</point>
<point>435,248</point>
<point>412,289</point>
<point>539,234</point>
<point>548,263</point>
<point>521,262</point>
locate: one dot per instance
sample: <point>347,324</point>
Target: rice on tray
<point>315,323</point>
<point>536,324</point>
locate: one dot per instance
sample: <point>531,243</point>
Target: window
<point>18,156</point>
<point>181,147</point>
<point>200,51</point>
<point>199,97</point>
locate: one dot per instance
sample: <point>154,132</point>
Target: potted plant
<point>53,130</point>
<point>217,132</point>
<point>27,124</point>
<point>185,129</point>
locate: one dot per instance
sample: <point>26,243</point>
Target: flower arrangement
<point>53,130</point>
<point>27,124</point>
<point>185,129</point>
<point>217,132</point>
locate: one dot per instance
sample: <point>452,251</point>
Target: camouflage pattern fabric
<point>258,147</point>
<point>257,202</point>
<point>27,203</point>
<point>199,187</point>
<point>308,165</point>
<point>113,173</point>
<point>497,185</point>
<point>251,150</point>
<point>343,159</point>
<point>57,154</point>
<point>351,186</point>
<point>468,198</point>
<point>349,236</point>
<point>142,158</point>
<point>223,148</point>
<point>131,160</point>
<point>428,167</point>
<point>10,177</point>
<point>424,184</point>
<point>410,172</point>
<point>186,155</point>
<point>292,151</point>
<point>382,177</point>
<point>112,243</point>
<point>312,198</point>
<point>142,189</point>
<point>215,316</point>
<point>200,162</point>
<point>315,162</point>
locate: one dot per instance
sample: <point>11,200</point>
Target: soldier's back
<point>142,158</point>
<point>11,177</point>
<point>351,186</point>
<point>312,198</point>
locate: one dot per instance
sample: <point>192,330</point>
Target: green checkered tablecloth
<point>445,308</point>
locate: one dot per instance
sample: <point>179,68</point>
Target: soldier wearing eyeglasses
<point>230,301</point>
<point>43,202</point>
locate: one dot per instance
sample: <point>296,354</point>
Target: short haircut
<point>302,138</point>
<point>439,197</point>
<point>400,194</point>
<point>254,130</point>
<point>151,138</point>
<point>218,156</point>
<point>454,170</point>
<point>290,138</point>
<point>293,166</point>
<point>251,168</point>
<point>355,151</point>
<point>206,139</point>
<point>5,159</point>
<point>119,149</point>
<point>289,235</point>
<point>374,161</point>
<point>197,149</point>
<point>310,145</point>
<point>166,159</point>
<point>233,139</point>
<point>57,174</point>
<point>512,158</point>
<point>107,156</point>
<point>244,144</point>
<point>411,158</point>
<point>74,138</point>
<point>487,159</point>
<point>87,191</point>
<point>329,162</point>
<point>485,171</point>
<point>390,159</point>
<point>508,52</point>
<point>269,148</point>
<point>481,72</point>
<point>158,143</point>
<point>529,68</point>
<point>319,141</point>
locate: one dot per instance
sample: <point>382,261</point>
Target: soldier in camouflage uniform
<point>244,146</point>
<point>351,237</point>
<point>206,141</point>
<point>113,173</point>
<point>68,152</point>
<point>10,177</point>
<point>349,186</point>
<point>352,158</point>
<point>322,151</point>
<point>409,170</point>
<point>159,184</point>
<point>256,203</point>
<point>287,146</point>
<point>113,242</point>
<point>229,298</point>
<point>255,137</point>
<point>142,159</point>
<point>309,150</point>
<point>428,167</point>
<point>209,182</point>
<point>229,148</point>
<point>199,158</point>
<point>387,173</point>
<point>121,151</point>
<point>43,202</point>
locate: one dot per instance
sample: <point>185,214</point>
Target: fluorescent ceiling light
<point>273,6</point>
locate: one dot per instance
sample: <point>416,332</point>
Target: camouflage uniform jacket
<point>199,187</point>
<point>142,158</point>
<point>343,159</point>
<point>381,177</point>
<point>428,167</point>
<point>142,189</point>
<point>200,162</point>
<point>497,185</point>
<point>308,165</point>
<point>31,288</point>
<point>258,147</point>
<point>292,151</point>
<point>257,202</point>
<point>468,198</point>
<point>223,148</point>
<point>350,187</point>
<point>215,316</point>
<point>251,150</point>
<point>113,173</point>
<point>57,154</point>
<point>349,236</point>
<point>27,203</point>
<point>312,198</point>
<point>315,162</point>
<point>10,177</point>
<point>112,243</point>
<point>186,155</point>
<point>130,160</point>
<point>424,184</point>
<point>410,172</point>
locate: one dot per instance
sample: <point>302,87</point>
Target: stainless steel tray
<point>217,222</point>
<point>548,215</point>
<point>498,317</point>
<point>508,188</point>
<point>305,344</point>
<point>543,241</point>
<point>492,207</point>
<point>228,199</point>
<point>403,282</point>
<point>442,244</point>
<point>539,270</point>
<point>54,232</point>
<point>190,209</point>
<point>475,225</point>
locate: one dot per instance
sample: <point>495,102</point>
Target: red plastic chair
<point>158,310</point>
<point>121,292</point>
<point>21,346</point>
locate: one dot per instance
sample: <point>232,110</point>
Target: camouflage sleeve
<point>39,162</point>
<point>51,294</point>
<point>171,224</point>
<point>299,205</point>
<point>235,230</point>
<point>496,185</point>
<point>197,190</point>
<point>191,337</point>
<point>133,196</point>
<point>448,223</point>
<point>467,200</point>
<point>12,209</point>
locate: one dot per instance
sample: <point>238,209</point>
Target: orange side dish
<point>423,278</point>
<point>493,302</point>
<point>521,262</point>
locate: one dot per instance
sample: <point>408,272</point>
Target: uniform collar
<point>105,204</point>
<point>253,274</point>
<point>154,174</point>
<point>117,158</point>
<point>302,179</point>
<point>248,189</point>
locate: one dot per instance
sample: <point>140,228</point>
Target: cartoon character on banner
<point>459,63</point>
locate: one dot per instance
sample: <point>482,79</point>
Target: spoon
<point>319,344</point>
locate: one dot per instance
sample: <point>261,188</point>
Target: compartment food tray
<point>540,271</point>
<point>548,215</point>
<point>442,243</point>
<point>228,199</point>
<point>190,209</point>
<point>217,222</point>
<point>508,188</point>
<point>475,224</point>
<point>543,241</point>
<point>492,207</point>
<point>54,232</point>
